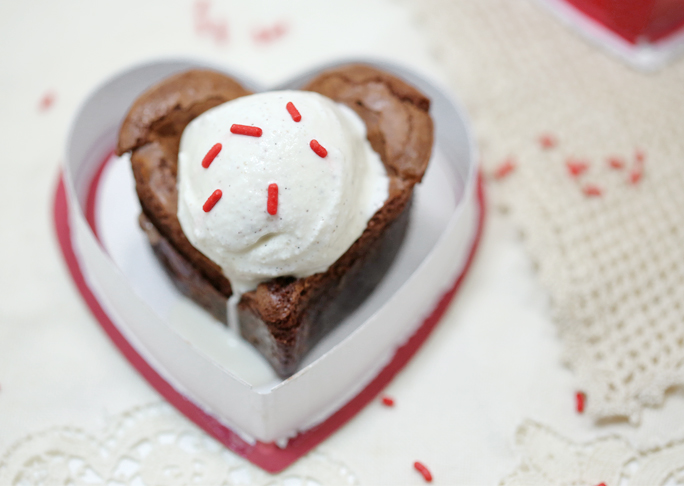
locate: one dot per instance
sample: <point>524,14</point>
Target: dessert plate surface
<point>204,370</point>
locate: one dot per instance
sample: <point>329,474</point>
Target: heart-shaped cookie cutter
<point>274,425</point>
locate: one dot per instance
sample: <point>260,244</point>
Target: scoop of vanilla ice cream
<point>323,203</point>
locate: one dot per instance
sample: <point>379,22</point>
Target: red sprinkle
<point>272,204</point>
<point>270,34</point>
<point>580,398</point>
<point>639,155</point>
<point>602,484</point>
<point>576,167</point>
<point>547,141</point>
<point>211,155</point>
<point>246,130</point>
<point>387,401</point>
<point>212,200</point>
<point>218,29</point>
<point>293,111</point>
<point>592,191</point>
<point>46,101</point>
<point>638,171</point>
<point>318,148</point>
<point>616,162</point>
<point>424,471</point>
<point>504,169</point>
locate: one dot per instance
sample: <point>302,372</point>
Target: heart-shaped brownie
<point>283,317</point>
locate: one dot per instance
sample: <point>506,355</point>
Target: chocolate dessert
<point>285,316</point>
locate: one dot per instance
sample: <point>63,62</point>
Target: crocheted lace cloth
<point>150,445</point>
<point>588,158</point>
<point>153,444</point>
<point>548,458</point>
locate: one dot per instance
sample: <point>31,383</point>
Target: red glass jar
<point>636,21</point>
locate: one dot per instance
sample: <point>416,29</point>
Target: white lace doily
<point>600,201</point>
<point>150,446</point>
<point>550,459</point>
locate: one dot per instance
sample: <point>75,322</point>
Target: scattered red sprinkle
<point>638,171</point>
<point>580,398</point>
<point>504,169</point>
<point>272,204</point>
<point>47,101</point>
<point>576,167</point>
<point>423,470</point>
<point>639,155</point>
<point>217,29</point>
<point>246,130</point>
<point>602,484</point>
<point>616,162</point>
<point>266,35</point>
<point>293,111</point>
<point>387,401</point>
<point>318,148</point>
<point>212,200</point>
<point>592,190</point>
<point>211,155</point>
<point>547,141</point>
